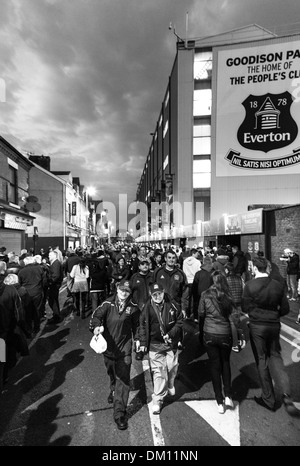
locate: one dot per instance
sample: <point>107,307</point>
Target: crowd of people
<point>139,297</point>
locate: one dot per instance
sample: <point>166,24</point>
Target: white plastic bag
<point>98,343</point>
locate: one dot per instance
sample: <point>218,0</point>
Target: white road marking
<point>227,425</point>
<point>157,434</point>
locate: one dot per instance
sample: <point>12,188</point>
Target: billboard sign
<point>258,110</point>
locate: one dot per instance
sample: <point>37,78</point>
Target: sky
<point>82,81</point>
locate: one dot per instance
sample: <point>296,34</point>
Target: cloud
<point>85,80</point>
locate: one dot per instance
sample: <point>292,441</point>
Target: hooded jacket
<point>202,281</point>
<point>191,265</point>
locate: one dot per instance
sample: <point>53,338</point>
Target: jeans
<point>266,349</point>
<point>97,298</point>
<point>118,371</point>
<point>53,298</point>
<point>80,299</point>
<point>292,284</point>
<point>218,349</point>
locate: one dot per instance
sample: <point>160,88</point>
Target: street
<point>57,396</point>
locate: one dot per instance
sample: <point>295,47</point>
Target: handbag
<point>98,343</point>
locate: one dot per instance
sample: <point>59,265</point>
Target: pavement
<point>288,322</point>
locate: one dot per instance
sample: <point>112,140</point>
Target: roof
<point>243,34</point>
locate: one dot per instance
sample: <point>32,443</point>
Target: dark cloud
<point>85,79</point>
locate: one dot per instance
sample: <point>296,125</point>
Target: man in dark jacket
<point>238,260</point>
<point>202,281</point>
<point>33,278</point>
<point>264,301</point>
<point>174,281</point>
<point>55,281</point>
<point>72,260</point>
<point>11,316</point>
<point>140,282</point>
<point>118,319</point>
<point>159,333</point>
<point>98,280</point>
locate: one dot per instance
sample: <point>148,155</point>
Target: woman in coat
<point>217,316</point>
<point>80,274</point>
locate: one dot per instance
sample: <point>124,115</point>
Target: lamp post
<point>90,191</point>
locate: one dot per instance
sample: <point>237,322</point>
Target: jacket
<point>33,278</point>
<point>210,312</point>
<point>98,277</point>
<point>11,310</point>
<point>202,281</point>
<point>139,285</point>
<point>190,266</point>
<point>293,264</point>
<point>56,273</point>
<point>172,322</point>
<point>175,285</point>
<point>239,262</point>
<point>119,328</point>
<point>219,264</point>
<point>264,300</point>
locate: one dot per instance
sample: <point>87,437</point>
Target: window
<point>201,173</point>
<point>13,185</point>
<point>202,65</point>
<point>202,102</point>
<point>166,128</point>
<point>202,140</point>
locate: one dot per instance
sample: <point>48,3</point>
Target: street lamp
<point>90,191</point>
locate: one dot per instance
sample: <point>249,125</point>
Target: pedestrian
<point>80,288</point>
<point>3,255</point>
<point>12,323</point>
<point>118,319</point>
<point>13,279</point>
<point>220,260</point>
<point>120,272</point>
<point>55,281</point>
<point>140,282</point>
<point>292,272</point>
<point>217,316</point>
<point>265,302</point>
<point>159,258</point>
<point>239,261</point>
<point>33,278</point>
<point>13,264</point>
<point>191,265</point>
<point>173,280</point>
<point>98,281</point>
<point>202,281</point>
<point>134,262</point>
<point>236,286</point>
<point>160,332</point>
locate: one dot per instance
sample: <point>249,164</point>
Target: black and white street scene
<point>149,226</point>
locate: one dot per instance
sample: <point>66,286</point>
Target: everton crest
<point>268,123</point>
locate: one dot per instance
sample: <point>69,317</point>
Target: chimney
<point>41,160</point>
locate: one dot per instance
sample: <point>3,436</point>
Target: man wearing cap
<point>118,319</point>
<point>174,281</point>
<point>159,334</point>
<point>140,282</point>
<point>264,301</point>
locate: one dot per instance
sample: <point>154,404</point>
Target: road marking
<point>227,425</point>
<point>157,434</point>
